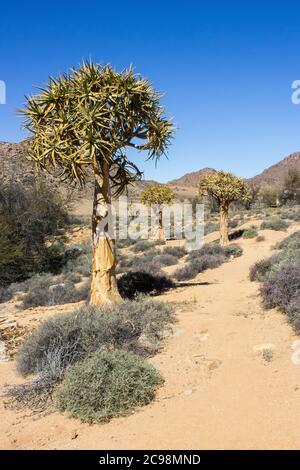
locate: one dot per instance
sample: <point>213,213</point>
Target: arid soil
<point>230,382</point>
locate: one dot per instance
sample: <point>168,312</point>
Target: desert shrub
<point>291,242</point>
<point>64,339</point>
<point>152,267</point>
<point>165,259</point>
<point>49,290</point>
<point>274,224</point>
<point>185,272</point>
<point>207,249</point>
<point>263,268</point>
<point>250,232</point>
<point>142,245</point>
<point>232,251</point>
<point>126,242</point>
<point>293,311</point>
<point>27,216</point>
<point>210,256</point>
<point>177,251</point>
<point>215,249</point>
<point>260,238</point>
<point>141,282</point>
<point>5,294</point>
<point>282,287</point>
<point>107,384</point>
<point>204,262</point>
<point>80,261</point>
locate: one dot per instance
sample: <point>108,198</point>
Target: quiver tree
<point>157,196</point>
<point>83,122</point>
<point>224,188</point>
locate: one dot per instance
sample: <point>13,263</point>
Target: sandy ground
<point>220,391</point>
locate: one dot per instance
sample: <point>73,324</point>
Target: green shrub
<point>292,242</point>
<point>260,238</point>
<point>74,335</point>
<point>81,261</point>
<point>27,216</point>
<point>107,384</point>
<point>250,232</point>
<point>232,251</point>
<point>177,251</point>
<point>50,290</point>
<point>274,224</point>
<point>142,245</point>
<point>165,259</point>
<point>188,271</point>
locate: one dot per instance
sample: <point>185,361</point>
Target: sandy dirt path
<point>219,393</point>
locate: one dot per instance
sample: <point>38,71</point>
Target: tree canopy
<point>94,113</point>
<point>224,187</point>
<point>157,194</point>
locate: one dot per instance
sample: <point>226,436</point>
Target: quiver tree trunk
<point>224,240</point>
<point>104,283</point>
<point>160,231</point>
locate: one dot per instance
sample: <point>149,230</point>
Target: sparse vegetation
<point>107,384</point>
<point>274,223</point>
<point>62,340</point>
<point>250,232</point>
<point>50,290</point>
<point>210,256</point>
<point>280,276</point>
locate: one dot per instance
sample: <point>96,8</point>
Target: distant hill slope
<point>191,179</point>
<point>275,174</point>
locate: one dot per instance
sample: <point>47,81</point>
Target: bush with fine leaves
<point>79,333</point>
<point>106,385</point>
<point>210,256</point>
<point>281,288</point>
<point>292,242</point>
<point>176,251</point>
<point>50,290</point>
<point>138,326</point>
<point>274,224</point>
<point>250,232</point>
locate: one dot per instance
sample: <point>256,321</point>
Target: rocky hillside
<point>191,179</point>
<point>275,174</point>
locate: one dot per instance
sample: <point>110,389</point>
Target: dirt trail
<point>220,392</point>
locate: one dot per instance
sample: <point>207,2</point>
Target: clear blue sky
<point>226,68</point>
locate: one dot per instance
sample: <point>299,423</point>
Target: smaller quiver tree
<point>157,196</point>
<point>225,188</point>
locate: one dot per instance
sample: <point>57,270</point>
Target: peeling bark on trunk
<point>104,283</point>
<point>224,240</point>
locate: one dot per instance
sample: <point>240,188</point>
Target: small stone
<point>74,435</point>
<point>188,392</point>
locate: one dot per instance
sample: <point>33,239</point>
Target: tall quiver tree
<point>156,196</point>
<point>225,188</point>
<point>83,122</point>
